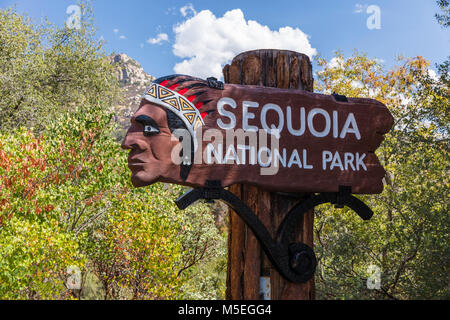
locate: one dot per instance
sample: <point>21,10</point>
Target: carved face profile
<point>171,103</point>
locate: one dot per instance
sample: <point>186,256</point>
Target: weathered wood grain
<point>272,206</point>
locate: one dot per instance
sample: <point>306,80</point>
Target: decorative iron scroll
<point>294,261</point>
<point>319,144</point>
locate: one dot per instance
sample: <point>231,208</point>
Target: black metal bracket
<point>294,261</point>
<point>215,84</point>
<point>339,97</point>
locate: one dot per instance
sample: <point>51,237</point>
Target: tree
<point>407,239</point>
<point>444,18</point>
<point>66,200</point>
<point>45,70</point>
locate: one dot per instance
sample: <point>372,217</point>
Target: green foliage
<point>138,254</point>
<point>65,195</point>
<point>135,252</point>
<point>205,262</point>
<point>74,178</point>
<point>45,70</point>
<point>34,257</point>
<point>444,17</point>
<point>409,234</point>
<point>136,242</point>
<point>207,280</point>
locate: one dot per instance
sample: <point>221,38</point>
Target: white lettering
<point>336,162</point>
<point>243,148</point>
<point>348,160</point>
<point>295,158</point>
<point>350,121</point>
<point>335,125</point>
<point>327,156</point>
<point>278,158</point>
<point>269,157</point>
<point>230,115</point>
<point>305,165</point>
<point>231,156</point>
<point>252,155</point>
<point>291,130</point>
<point>359,161</point>
<point>218,154</point>
<point>311,116</point>
<point>273,128</point>
<point>248,115</point>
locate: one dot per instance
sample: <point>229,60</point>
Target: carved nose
<point>133,141</point>
<point>127,143</point>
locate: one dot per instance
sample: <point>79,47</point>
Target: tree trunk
<point>247,262</point>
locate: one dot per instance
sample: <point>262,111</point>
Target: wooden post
<point>246,260</point>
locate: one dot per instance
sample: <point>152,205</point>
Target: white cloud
<point>116,30</point>
<point>336,63</point>
<point>208,42</point>
<point>433,75</point>
<point>159,39</point>
<point>187,9</point>
<point>357,84</point>
<point>122,37</point>
<point>404,100</point>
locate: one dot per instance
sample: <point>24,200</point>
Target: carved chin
<point>143,178</point>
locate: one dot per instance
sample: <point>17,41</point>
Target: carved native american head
<point>170,103</point>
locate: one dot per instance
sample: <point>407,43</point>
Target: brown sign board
<point>278,139</point>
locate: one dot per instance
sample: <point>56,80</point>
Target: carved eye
<point>149,130</point>
<point>150,126</point>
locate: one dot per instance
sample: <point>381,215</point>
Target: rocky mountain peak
<point>133,81</point>
<point>129,71</point>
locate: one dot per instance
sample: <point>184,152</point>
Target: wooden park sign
<point>278,139</point>
<point>307,148</point>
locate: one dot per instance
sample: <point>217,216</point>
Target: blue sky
<point>206,34</point>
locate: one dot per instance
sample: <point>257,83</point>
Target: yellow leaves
<point>35,248</point>
<point>415,154</point>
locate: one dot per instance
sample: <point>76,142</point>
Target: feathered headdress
<point>172,94</point>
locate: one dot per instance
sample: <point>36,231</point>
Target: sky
<point>200,37</point>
